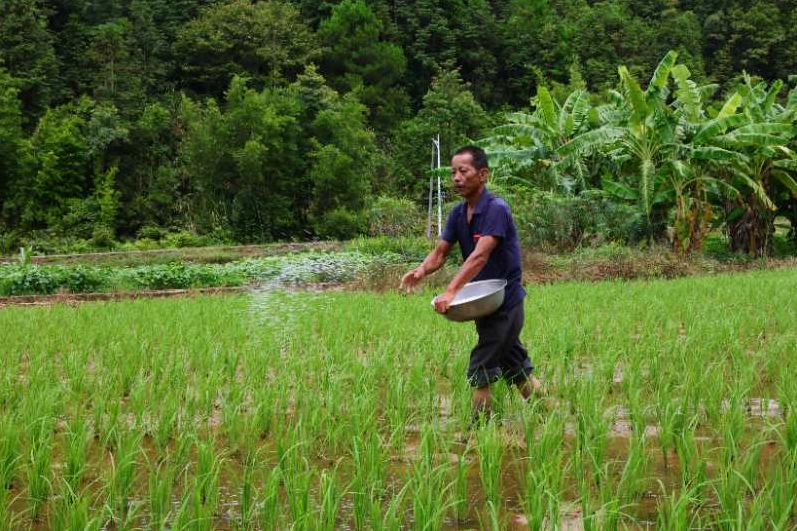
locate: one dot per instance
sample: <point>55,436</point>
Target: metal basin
<point>476,299</point>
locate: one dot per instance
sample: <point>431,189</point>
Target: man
<point>484,228</point>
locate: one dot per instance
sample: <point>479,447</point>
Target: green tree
<point>535,41</point>
<point>450,110</point>
<point>54,172</point>
<point>116,67</point>
<point>26,51</point>
<point>766,176</point>
<point>265,41</point>
<point>355,59</point>
<point>607,34</point>
<point>11,138</point>
<point>242,164</point>
<point>152,192</point>
<point>341,169</point>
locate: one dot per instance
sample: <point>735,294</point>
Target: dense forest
<point>276,120</point>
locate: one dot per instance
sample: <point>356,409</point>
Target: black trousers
<point>499,352</point>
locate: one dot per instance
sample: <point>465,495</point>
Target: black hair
<point>477,154</point>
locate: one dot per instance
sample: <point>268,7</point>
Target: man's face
<point>467,179</point>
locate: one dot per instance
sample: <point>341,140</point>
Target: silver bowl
<point>476,299</point>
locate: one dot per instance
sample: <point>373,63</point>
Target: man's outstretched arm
<point>430,264</point>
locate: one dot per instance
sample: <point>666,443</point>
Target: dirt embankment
<point>538,268</point>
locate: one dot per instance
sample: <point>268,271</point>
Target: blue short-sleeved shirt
<point>491,217</point>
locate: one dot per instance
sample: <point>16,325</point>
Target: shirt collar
<point>484,199</point>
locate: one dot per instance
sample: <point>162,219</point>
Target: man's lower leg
<point>529,386</point>
<point>481,401</point>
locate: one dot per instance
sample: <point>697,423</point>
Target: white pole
<point>439,192</point>
<point>431,198</point>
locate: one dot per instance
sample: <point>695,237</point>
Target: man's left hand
<point>443,302</point>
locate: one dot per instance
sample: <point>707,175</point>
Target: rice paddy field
<point>669,405</point>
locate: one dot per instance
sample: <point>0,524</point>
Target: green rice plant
<point>693,465</point>
<point>674,509</point>
<point>670,415</point>
<point>779,493</point>
<point>183,515</point>
<point>631,483</point>
<point>269,500</point>
<point>397,410</point>
<point>459,491</point>
<point>298,485</point>
<point>392,517</point>
<point>495,522</point>
<point>10,451</point>
<point>160,480</point>
<point>589,512</point>
<point>490,449</point>
<point>429,491</point>
<point>165,422</point>
<point>330,498</point>
<point>122,474</point>
<point>39,472</point>
<point>732,425</point>
<point>72,512</point>
<point>76,459</point>
<point>111,423</point>
<point>208,467</point>
<point>368,475</point>
<point>539,502</point>
<point>369,460</point>
<point>246,498</point>
<point>731,490</point>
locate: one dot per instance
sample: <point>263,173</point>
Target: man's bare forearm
<point>432,262</point>
<point>467,272</point>
<point>475,262</point>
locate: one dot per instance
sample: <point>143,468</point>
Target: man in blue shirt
<point>487,236</point>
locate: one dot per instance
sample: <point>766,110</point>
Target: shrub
<point>151,232</point>
<point>389,216</point>
<point>103,237</point>
<point>81,279</point>
<point>25,280</point>
<point>183,238</point>
<point>341,224</point>
<point>408,248</point>
<point>552,222</point>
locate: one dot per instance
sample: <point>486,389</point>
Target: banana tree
<point>550,145</point>
<point>766,175</point>
<point>650,136</point>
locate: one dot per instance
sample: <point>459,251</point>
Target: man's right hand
<point>411,279</point>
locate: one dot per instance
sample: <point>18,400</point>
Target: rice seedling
<point>490,449</point>
<point>73,512</point>
<point>429,492</point>
<point>674,511</point>
<point>459,490</point>
<point>330,497</point>
<point>160,484</point>
<point>246,498</point>
<point>269,500</point>
<point>76,461</point>
<point>39,471</point>
<point>10,451</point>
<point>311,413</point>
<point>122,472</point>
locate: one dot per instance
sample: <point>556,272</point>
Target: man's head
<point>469,170</point>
